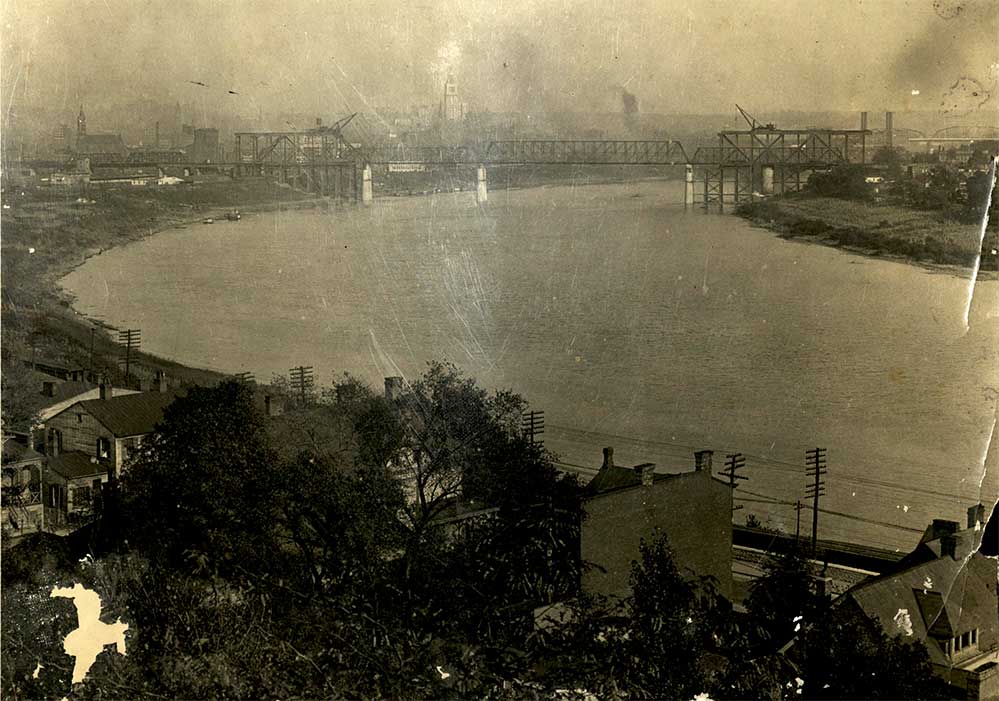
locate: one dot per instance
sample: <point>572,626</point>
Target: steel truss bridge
<point>759,160</point>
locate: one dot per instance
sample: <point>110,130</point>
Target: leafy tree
<point>784,599</point>
<point>845,181</point>
<point>847,655</point>
<point>203,487</point>
<point>669,630</point>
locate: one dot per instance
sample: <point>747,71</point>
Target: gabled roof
<point>129,415</point>
<point>612,478</point>
<point>74,465</point>
<point>940,597</point>
<point>69,393</point>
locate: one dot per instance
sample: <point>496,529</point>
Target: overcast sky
<point>328,57</point>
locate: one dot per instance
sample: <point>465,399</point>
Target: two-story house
<point>626,504</point>
<point>103,431</point>
<point>943,594</point>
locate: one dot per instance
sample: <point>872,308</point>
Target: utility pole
<point>93,330</point>
<point>302,379</point>
<point>815,461</point>
<point>533,425</point>
<point>245,378</point>
<point>130,338</point>
<point>798,506</point>
<point>733,463</point>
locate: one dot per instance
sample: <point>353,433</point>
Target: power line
<point>769,463</point>
<point>773,501</point>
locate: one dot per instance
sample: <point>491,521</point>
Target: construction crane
<point>753,124</point>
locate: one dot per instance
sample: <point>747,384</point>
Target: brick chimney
<point>646,471</point>
<point>393,388</point>
<point>608,458</point>
<point>948,546</point>
<point>942,527</point>
<point>702,460</point>
<point>105,389</point>
<point>976,516</point>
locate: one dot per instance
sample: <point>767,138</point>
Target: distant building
<point>625,505</point>
<point>76,176</point>
<point>125,175</point>
<point>99,148</point>
<point>943,594</point>
<point>453,108</point>
<point>205,148</point>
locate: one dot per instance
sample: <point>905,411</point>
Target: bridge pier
<point>481,185</point>
<point>367,191</point>
<point>688,187</point>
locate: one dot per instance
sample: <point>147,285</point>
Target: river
<point>628,320</point>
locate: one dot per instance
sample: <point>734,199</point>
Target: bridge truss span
<point>598,152</point>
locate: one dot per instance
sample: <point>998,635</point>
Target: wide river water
<point>628,320</point>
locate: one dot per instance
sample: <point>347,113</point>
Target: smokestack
<point>863,121</point>
<point>393,388</point>
<point>647,472</point>
<point>267,405</point>
<point>888,131</point>
<point>157,135</point>
<point>976,515</point>
<point>702,460</point>
<point>608,458</point>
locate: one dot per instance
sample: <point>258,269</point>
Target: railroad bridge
<point>759,160</point>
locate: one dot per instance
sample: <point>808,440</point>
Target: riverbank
<point>883,231</point>
<point>46,234</point>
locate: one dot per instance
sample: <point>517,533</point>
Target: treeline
<point>360,546</point>
<point>940,188</point>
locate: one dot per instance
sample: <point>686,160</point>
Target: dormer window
<point>964,641</point>
<point>103,447</point>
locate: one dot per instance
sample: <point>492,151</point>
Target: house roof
<point>940,598</point>
<point>130,414</point>
<point>74,465</point>
<point>16,452</point>
<point>69,393</point>
<point>612,478</point>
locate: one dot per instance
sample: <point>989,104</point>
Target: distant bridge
<point>761,159</point>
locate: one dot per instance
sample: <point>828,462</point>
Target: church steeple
<point>81,123</point>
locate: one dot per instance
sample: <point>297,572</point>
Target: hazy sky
<point>327,57</point>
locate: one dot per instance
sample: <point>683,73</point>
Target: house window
<point>974,637</point>
<point>79,418</point>
<point>103,447</point>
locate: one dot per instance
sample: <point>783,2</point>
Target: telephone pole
<point>130,338</point>
<point>245,378</point>
<point>815,462</point>
<point>798,506</point>
<point>733,463</point>
<point>302,379</point>
<point>533,424</point>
